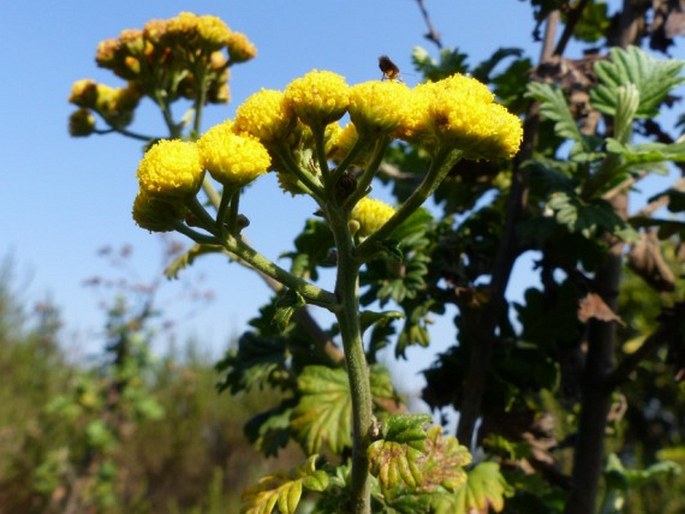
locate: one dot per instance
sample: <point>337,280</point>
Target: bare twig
<point>432,35</point>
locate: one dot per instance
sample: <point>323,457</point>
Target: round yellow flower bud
<point>378,106</point>
<point>172,169</point>
<point>319,97</point>
<point>240,49</point>
<point>84,93</point>
<point>156,214</point>
<point>230,158</point>
<point>266,116</point>
<point>81,123</point>
<point>370,214</point>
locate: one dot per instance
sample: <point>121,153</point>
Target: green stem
<point>347,292</point>
<point>311,293</point>
<point>127,133</point>
<point>347,160</point>
<point>310,182</point>
<point>441,165</point>
<point>211,192</point>
<point>370,172</point>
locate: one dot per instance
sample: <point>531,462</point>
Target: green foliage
<point>284,490</point>
<point>653,79</point>
<point>594,22</point>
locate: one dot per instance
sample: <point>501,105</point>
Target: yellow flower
<point>156,214</point>
<point>319,97</point>
<point>266,116</point>
<point>371,214</point>
<point>240,49</point>
<point>341,142</point>
<point>172,169</point>
<point>378,106</point>
<point>482,130</point>
<point>460,112</point>
<point>230,158</point>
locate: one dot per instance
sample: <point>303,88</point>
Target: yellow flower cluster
<point>454,113</point>
<point>116,105</point>
<point>173,170</point>
<point>160,57</point>
<point>370,214</point>
<point>232,159</point>
<point>460,112</point>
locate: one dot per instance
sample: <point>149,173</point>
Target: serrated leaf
<point>283,489</point>
<point>324,412</point>
<point>252,364</point>
<point>647,153</point>
<point>409,456</point>
<point>485,489</point>
<point>269,431</point>
<point>553,106</point>
<point>653,79</point>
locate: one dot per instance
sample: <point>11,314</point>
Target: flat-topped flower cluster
<point>296,132</point>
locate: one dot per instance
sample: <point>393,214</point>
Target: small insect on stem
<point>389,68</point>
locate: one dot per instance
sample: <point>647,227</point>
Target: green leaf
<point>253,363</point>
<point>653,79</point>
<point>370,318</point>
<point>485,489</point>
<point>269,431</point>
<point>283,489</point>
<point>187,258</point>
<point>411,457</point>
<point>628,100</point>
<point>647,153</point>
<point>324,412</point>
<point>553,106</point>
<point>593,24</point>
<point>286,305</point>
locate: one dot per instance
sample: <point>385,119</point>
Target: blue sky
<point>64,198</point>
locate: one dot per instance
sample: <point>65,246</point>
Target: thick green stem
<point>311,293</point>
<point>347,293</point>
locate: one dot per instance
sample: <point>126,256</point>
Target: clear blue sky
<point>64,198</point>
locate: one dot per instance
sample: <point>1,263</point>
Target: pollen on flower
<point>171,168</point>
<point>319,97</point>
<point>371,214</point>
<point>232,159</point>
<point>378,106</point>
<point>266,116</point>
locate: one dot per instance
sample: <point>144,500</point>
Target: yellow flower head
<point>266,116</point>
<point>482,130</point>
<point>156,214</point>
<point>240,49</point>
<point>230,158</point>
<point>371,214</point>
<point>460,112</point>
<point>81,123</point>
<point>319,97</point>
<point>378,106</point>
<point>171,169</point>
